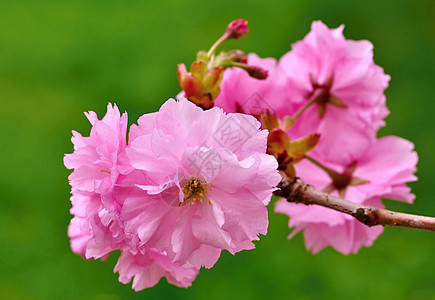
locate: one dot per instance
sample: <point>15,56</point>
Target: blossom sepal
<point>289,153</point>
<point>201,84</point>
<point>271,121</point>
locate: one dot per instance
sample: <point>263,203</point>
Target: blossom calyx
<point>271,121</point>
<point>289,153</point>
<point>228,59</point>
<point>201,84</point>
<point>322,95</point>
<point>237,58</point>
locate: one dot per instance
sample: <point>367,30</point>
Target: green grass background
<point>60,58</point>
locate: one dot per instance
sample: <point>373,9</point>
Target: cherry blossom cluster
<point>189,184</point>
<point>195,178</point>
<point>329,86</point>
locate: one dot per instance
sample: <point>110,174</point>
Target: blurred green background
<point>61,58</point>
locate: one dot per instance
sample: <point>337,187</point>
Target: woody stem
<point>297,191</point>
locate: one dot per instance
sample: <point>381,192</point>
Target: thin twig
<point>297,191</point>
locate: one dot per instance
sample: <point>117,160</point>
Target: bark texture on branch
<point>297,191</point>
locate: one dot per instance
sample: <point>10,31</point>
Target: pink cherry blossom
<point>324,61</point>
<point>98,192</point>
<point>207,181</point>
<point>95,157</point>
<point>387,165</point>
<point>325,66</point>
<point>148,268</point>
<point>95,230</point>
<point>244,94</point>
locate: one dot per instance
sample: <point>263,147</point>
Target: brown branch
<point>297,191</point>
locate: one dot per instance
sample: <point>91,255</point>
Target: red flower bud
<point>257,72</point>
<point>237,29</point>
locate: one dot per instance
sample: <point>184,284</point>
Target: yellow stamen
<point>195,191</point>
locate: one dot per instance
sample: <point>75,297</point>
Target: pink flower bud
<point>237,29</point>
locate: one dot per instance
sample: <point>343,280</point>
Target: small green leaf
<point>287,123</point>
<point>277,142</point>
<point>321,108</point>
<point>198,69</point>
<point>358,181</point>
<point>202,55</point>
<point>270,121</point>
<point>342,193</point>
<point>305,144</point>
<point>336,101</point>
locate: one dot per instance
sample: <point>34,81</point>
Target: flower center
<point>195,190</point>
<point>321,95</point>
